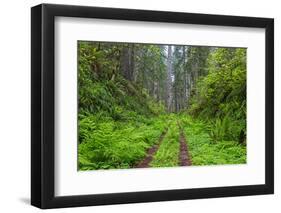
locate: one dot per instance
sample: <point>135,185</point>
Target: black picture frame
<point>43,102</point>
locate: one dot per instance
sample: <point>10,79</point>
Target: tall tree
<point>127,61</point>
<point>169,79</point>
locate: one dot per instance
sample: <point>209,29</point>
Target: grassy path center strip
<point>167,155</point>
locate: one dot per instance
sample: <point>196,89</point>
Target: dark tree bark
<point>132,62</point>
<point>169,79</point>
<point>128,62</point>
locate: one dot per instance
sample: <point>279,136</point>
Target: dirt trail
<point>184,157</point>
<point>150,152</point>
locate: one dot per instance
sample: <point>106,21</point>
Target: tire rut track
<point>151,152</point>
<point>184,156</point>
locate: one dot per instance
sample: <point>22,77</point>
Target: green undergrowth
<point>205,151</point>
<point>108,144</point>
<point>168,152</point>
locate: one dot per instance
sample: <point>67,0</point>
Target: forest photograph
<point>160,105</point>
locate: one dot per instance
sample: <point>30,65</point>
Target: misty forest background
<point>133,95</point>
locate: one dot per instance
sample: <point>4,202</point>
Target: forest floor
<point>183,154</point>
<point>168,141</point>
<point>186,141</point>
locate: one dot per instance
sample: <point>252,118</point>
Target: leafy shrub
<point>204,151</point>
<point>220,96</point>
<point>114,144</point>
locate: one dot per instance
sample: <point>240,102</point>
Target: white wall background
<point>15,105</point>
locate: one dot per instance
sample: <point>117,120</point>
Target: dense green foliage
<point>106,143</point>
<point>117,118</point>
<point>204,151</point>
<point>102,90</point>
<point>221,94</point>
<point>129,94</point>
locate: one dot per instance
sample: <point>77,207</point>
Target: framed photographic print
<point>139,106</point>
